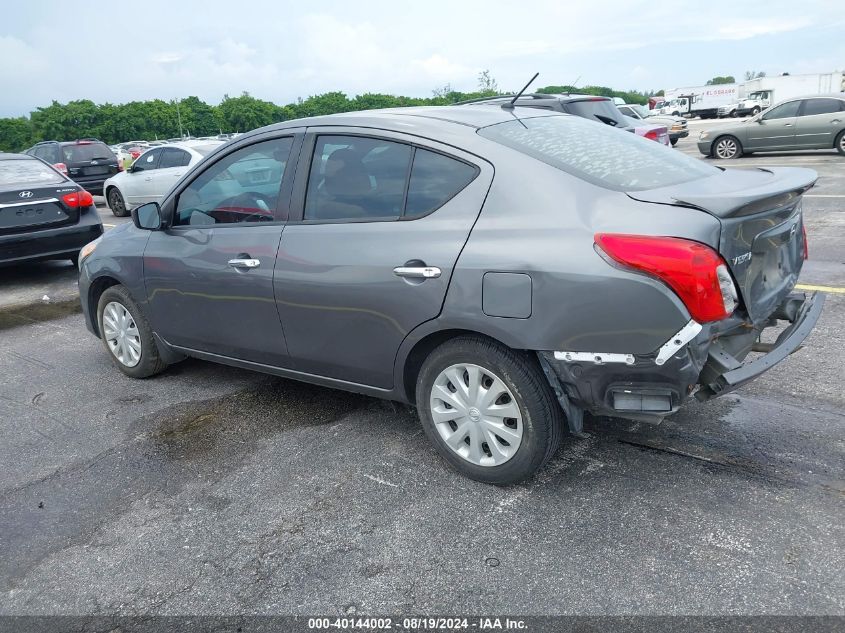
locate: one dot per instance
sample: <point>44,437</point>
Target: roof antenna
<point>573,85</point>
<point>509,105</point>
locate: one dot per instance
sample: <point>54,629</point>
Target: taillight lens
<point>697,273</point>
<point>652,134</point>
<point>60,167</point>
<point>79,199</point>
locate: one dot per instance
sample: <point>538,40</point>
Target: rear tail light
<point>697,273</point>
<point>652,134</point>
<point>79,199</point>
<point>60,167</point>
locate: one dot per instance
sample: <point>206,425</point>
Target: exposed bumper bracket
<point>684,336</point>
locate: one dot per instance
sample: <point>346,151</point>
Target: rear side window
<point>174,158</point>
<point>822,106</point>
<point>359,178</point>
<point>435,179</point>
<point>609,158</point>
<point>148,160</point>
<point>354,177</point>
<point>85,152</point>
<point>28,172</point>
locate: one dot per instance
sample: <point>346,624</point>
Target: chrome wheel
<point>726,148</point>
<point>842,142</point>
<point>121,334</point>
<point>476,414</point>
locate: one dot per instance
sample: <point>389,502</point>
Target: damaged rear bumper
<point>706,360</point>
<point>723,372</point>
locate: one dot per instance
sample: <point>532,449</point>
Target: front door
<point>138,188</point>
<point>819,122</point>
<point>171,166</point>
<point>209,277</point>
<point>377,224</point>
<point>775,129</point>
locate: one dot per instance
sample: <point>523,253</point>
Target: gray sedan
<point>504,270</point>
<point>807,123</point>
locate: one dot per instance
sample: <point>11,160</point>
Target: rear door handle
<point>787,125</point>
<point>418,272</point>
<point>244,264</point>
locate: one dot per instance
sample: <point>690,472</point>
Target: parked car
<point>87,162</point>
<point>676,125</point>
<point>153,174</point>
<point>502,269</point>
<point>43,214</point>
<point>816,122</point>
<point>591,107</point>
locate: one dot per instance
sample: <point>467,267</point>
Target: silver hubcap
<point>842,142</point>
<point>725,148</point>
<point>476,414</point>
<point>121,334</point>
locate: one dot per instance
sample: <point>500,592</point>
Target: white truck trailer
<point>766,91</point>
<point>703,101</point>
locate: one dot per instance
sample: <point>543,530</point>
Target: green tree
<point>753,74</point>
<point>727,79</point>
<point>15,134</point>
<point>244,113</point>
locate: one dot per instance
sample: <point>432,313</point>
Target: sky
<point>127,50</point>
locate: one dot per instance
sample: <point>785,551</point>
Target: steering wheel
<point>264,207</point>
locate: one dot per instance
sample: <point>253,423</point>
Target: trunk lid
<point>33,208</point>
<point>762,236</point>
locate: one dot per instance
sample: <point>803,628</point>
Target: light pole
<point>179,117</point>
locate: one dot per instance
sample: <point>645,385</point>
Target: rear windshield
<point>599,154</point>
<point>601,110</point>
<point>85,152</point>
<point>204,150</point>
<point>28,172</point>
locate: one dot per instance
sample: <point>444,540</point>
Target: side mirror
<point>148,217</point>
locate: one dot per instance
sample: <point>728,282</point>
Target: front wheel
<point>126,334</point>
<point>116,203</point>
<point>488,410</point>
<point>727,147</point>
<point>674,141</point>
<point>840,143</point>
<point>755,111</point>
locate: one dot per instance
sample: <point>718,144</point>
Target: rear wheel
<point>840,143</point>
<point>116,203</point>
<point>126,334</point>
<point>488,410</point>
<point>726,147</point>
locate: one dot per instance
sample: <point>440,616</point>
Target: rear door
<point>775,129</point>
<point>378,221</point>
<point>819,121</point>
<point>209,277</point>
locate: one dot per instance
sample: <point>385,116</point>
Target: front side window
<point>173,157</point>
<point>147,161</point>
<point>822,106</point>
<point>598,154</point>
<point>783,111</point>
<point>240,187</point>
<point>354,177</point>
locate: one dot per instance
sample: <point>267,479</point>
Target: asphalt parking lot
<point>210,489</point>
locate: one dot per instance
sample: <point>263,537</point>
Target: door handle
<point>176,175</point>
<point>148,178</point>
<point>835,121</point>
<point>787,125</point>
<point>244,264</point>
<point>418,272</point>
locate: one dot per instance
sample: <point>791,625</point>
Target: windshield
<point>641,110</point>
<point>28,172</point>
<point>756,95</point>
<point>599,154</point>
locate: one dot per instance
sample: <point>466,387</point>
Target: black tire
<point>674,141</point>
<point>75,259</point>
<point>116,203</point>
<point>542,417</point>
<point>839,143</point>
<point>733,114</point>
<point>150,363</point>
<point>755,111</point>
<point>728,138</point>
